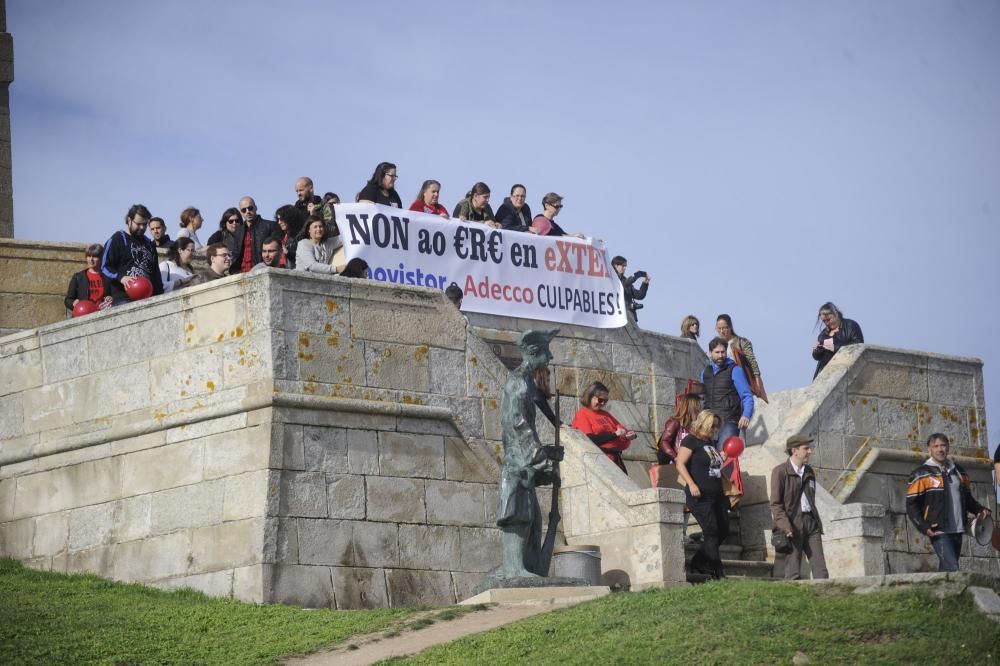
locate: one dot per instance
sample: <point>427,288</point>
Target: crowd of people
<point>302,236</point>
<point>716,409</point>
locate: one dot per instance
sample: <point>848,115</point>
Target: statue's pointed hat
<point>531,340</point>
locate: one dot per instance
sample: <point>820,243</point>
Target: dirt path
<point>374,647</point>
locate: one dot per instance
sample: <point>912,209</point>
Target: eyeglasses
<point>228,257</point>
<point>248,209</point>
<point>232,221</point>
<point>602,401</point>
<point>556,206</point>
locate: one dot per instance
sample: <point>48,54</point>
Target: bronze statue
<point>527,464</point>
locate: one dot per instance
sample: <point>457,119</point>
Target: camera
<point>637,306</point>
<point>641,274</point>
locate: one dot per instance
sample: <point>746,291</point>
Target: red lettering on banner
<point>488,289</point>
<point>588,259</point>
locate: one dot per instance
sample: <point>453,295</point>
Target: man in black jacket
<point>249,237</point>
<point>632,294</point>
<point>937,498</point>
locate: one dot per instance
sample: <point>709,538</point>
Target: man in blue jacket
<point>727,391</point>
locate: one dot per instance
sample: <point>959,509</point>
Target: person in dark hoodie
<point>514,214</point>
<point>128,254</point>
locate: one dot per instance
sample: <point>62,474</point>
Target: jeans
<point>729,429</point>
<point>713,516</point>
<point>948,547</point>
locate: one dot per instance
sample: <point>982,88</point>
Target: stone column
<point>6,76</point>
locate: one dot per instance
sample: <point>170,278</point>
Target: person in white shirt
<point>177,271</point>
<point>793,508</point>
<point>191,222</point>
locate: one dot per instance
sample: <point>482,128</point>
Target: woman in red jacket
<point>602,428</point>
<point>677,428</point>
<point>427,199</point>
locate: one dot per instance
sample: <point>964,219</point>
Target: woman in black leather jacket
<point>837,332</point>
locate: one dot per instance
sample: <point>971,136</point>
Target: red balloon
<point>84,307</point>
<point>733,447</point>
<point>139,288</point>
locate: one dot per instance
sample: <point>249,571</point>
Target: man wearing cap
<point>793,508</point>
<point>937,498</point>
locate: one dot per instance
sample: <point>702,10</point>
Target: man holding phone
<point>938,497</point>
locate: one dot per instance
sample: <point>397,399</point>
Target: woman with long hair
<point>381,187</point>
<point>837,332</point>
<point>315,251</point>
<point>290,221</point>
<point>741,349</point>
<point>690,328</point>
<point>227,229</point>
<point>427,199</point>
<point>603,429</point>
<point>700,466</point>
<point>177,271</point>
<point>677,427</point>
<point>475,207</point>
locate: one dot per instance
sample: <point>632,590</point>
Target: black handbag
<point>780,541</point>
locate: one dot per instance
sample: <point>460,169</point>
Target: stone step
<point>727,550</point>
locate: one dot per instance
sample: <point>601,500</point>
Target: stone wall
<point>871,411</point>
<point>274,437</point>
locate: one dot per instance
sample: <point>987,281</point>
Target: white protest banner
<point>509,273</point>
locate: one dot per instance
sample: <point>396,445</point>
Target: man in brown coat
<point>793,508</point>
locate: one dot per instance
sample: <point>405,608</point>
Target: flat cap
<point>798,440</point>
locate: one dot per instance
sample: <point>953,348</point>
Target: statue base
<point>493,582</point>
<point>539,595</point>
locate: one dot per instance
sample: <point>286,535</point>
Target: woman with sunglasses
<point>89,284</point>
<point>544,223</point>
<point>600,426</point>
<point>177,271</point>
<point>227,227</point>
<point>381,187</point>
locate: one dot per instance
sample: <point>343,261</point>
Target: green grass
<point>48,618</point>
<point>745,622</point>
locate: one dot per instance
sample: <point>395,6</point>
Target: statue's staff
<point>555,454</point>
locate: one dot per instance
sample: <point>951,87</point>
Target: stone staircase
<point>733,561</point>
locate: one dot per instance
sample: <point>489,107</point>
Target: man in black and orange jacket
<point>938,497</point>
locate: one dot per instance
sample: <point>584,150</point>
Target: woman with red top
<point>427,199</point>
<point>89,284</point>
<point>602,428</point>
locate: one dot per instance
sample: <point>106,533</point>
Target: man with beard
<point>727,391</point>
<point>128,254</point>
<point>158,230</point>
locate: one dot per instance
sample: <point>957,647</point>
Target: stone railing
<point>638,529</point>
<point>871,411</point>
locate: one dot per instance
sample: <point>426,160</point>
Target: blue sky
<point>755,158</point>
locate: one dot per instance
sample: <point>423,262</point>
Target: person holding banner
<point>600,426</point>
<point>315,251</point>
<point>381,188</point>
<point>427,199</point>
<point>475,207</point>
<point>544,223</point>
<point>514,214</point>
